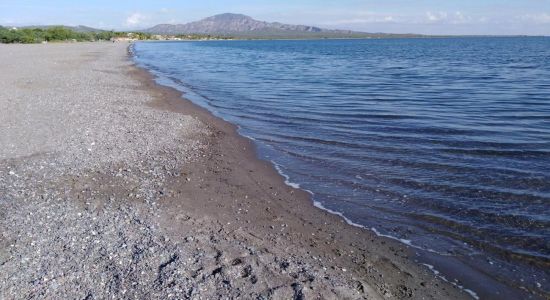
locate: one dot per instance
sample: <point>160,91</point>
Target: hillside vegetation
<point>56,34</point>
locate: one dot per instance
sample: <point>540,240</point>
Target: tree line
<point>58,33</point>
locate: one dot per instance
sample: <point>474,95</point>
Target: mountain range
<point>242,26</point>
<point>239,25</point>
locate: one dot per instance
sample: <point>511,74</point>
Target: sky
<point>501,17</point>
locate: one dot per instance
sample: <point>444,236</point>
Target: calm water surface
<point>441,143</point>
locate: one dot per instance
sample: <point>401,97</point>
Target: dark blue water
<point>441,143</point>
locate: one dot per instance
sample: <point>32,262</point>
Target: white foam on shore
<point>378,233</point>
<point>244,135</point>
<point>286,177</point>
<point>346,219</point>
<point>438,274</point>
<point>373,229</point>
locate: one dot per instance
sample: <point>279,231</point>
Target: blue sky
<point>398,16</point>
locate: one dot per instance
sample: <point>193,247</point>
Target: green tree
<point>59,33</point>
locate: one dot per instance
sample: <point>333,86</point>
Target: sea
<point>442,144</point>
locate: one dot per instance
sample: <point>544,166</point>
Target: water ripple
<point>443,142</point>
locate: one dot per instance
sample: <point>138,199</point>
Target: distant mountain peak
<point>229,16</point>
<point>241,25</point>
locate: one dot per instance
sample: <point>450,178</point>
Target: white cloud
<point>543,18</point>
<point>446,17</point>
<point>140,20</point>
<point>135,19</point>
<point>459,16</point>
<point>364,18</point>
<point>436,16</point>
<point>439,17</point>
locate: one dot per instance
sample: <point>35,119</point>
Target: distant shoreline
<point>359,38</point>
<point>45,34</point>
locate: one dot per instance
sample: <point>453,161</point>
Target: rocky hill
<point>241,25</point>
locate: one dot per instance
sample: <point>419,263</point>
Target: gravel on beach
<point>105,195</point>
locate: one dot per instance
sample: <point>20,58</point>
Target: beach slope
<point>114,187</point>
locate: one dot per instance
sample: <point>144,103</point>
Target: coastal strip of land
<point>114,187</point>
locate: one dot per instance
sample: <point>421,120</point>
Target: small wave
<point>348,220</point>
<point>373,229</point>
<point>498,152</point>
<point>438,274</point>
<point>287,178</point>
<point>246,136</point>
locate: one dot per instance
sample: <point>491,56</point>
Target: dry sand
<point>114,187</point>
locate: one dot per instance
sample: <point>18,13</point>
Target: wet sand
<point>113,186</point>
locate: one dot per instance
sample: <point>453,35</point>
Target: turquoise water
<point>443,144</point>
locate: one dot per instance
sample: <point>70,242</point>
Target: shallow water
<point>441,143</point>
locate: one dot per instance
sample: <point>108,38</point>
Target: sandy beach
<point>114,187</point>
